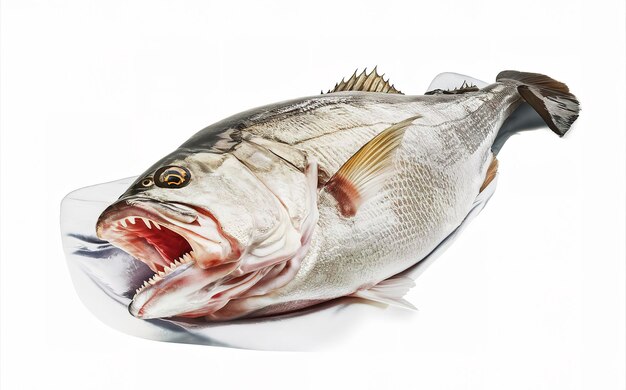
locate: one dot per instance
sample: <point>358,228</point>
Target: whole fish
<point>295,203</point>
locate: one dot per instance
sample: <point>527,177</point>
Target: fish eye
<point>147,182</point>
<point>172,177</point>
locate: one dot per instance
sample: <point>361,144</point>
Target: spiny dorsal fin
<point>364,82</point>
<point>362,176</point>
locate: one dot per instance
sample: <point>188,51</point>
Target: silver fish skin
<point>265,235</point>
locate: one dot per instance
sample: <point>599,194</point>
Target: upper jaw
<point>129,210</point>
<point>136,226</point>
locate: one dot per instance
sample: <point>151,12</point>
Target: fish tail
<point>549,102</point>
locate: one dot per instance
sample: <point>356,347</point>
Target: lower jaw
<point>185,261</point>
<point>238,300</point>
<point>182,276</point>
<point>249,292</point>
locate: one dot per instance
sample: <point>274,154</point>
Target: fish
<point>300,202</point>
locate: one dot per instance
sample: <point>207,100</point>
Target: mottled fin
<point>372,82</point>
<point>491,173</point>
<point>364,173</point>
<point>390,292</point>
<point>550,98</point>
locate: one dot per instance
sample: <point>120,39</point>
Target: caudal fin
<point>551,99</point>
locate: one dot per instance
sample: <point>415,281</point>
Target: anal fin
<point>491,173</point>
<point>390,292</point>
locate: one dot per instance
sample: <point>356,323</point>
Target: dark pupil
<point>173,178</point>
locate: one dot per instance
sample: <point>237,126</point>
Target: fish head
<point>207,227</point>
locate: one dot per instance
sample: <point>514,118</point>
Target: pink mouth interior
<point>168,243</point>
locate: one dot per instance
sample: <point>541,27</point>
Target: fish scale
<point>384,238</point>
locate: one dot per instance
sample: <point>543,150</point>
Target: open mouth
<point>169,244</point>
<point>149,238</point>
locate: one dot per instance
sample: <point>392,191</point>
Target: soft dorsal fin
<point>364,82</point>
<point>364,173</point>
<point>464,88</point>
<point>454,83</point>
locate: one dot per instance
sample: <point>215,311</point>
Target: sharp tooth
<point>176,262</point>
<point>161,273</point>
<point>156,225</point>
<point>123,223</point>
<point>167,269</point>
<point>147,222</point>
<point>131,220</point>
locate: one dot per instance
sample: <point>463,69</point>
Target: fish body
<point>308,200</point>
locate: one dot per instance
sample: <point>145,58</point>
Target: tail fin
<point>551,99</point>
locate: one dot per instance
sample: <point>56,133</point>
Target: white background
<point>530,297</point>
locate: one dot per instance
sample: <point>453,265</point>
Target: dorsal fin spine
<point>365,82</point>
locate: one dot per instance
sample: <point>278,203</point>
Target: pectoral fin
<point>364,173</point>
<point>390,292</point>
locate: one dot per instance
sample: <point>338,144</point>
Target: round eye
<point>147,182</point>
<point>172,177</point>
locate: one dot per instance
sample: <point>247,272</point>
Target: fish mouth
<point>144,234</point>
<point>165,236</point>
